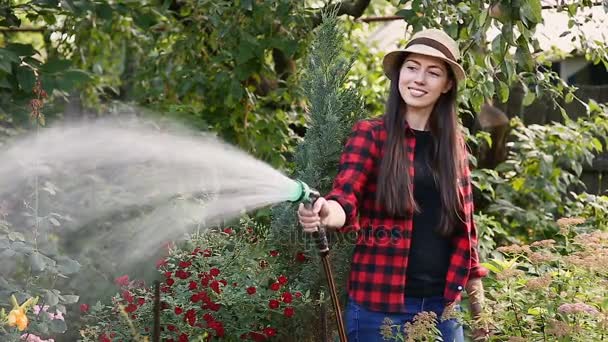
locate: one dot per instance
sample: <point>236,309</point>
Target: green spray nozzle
<point>303,193</point>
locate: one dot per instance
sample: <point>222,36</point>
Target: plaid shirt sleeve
<point>355,165</point>
<point>477,271</point>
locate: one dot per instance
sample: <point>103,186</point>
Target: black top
<point>430,253</point>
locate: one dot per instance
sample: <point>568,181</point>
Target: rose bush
<point>225,283</point>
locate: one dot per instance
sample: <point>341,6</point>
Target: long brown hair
<point>395,188</point>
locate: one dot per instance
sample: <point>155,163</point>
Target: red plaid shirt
<point>378,268</point>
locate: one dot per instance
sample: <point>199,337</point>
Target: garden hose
<point>309,196</point>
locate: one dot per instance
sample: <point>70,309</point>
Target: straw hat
<point>431,42</point>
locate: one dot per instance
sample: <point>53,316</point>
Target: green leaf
<point>69,299</point>
<point>569,97</point>
<point>39,262</point>
<point>531,10</point>
<point>22,50</point>
<point>503,91</point>
<point>51,297</point>
<point>55,65</point>
<point>16,236</point>
<point>58,326</point>
<point>518,183</point>
<point>67,266</point>
<point>104,11</point>
<point>529,98</point>
<point>247,5</point>
<point>593,106</point>
<point>26,79</point>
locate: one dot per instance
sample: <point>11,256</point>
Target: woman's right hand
<point>311,219</point>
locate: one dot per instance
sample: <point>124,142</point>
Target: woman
<point>404,187</point>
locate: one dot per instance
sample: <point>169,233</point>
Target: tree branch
<point>354,8</point>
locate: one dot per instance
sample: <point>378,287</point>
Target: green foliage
<point>34,271</point>
<point>550,290</point>
<point>535,184</point>
<point>223,283</point>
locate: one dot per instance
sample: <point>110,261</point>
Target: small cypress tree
<point>333,108</point>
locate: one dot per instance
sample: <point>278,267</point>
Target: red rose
<point>256,336</point>
<point>208,317</point>
<point>84,308</point>
<point>228,231</point>
<point>185,264</point>
<point>223,282</point>
<point>275,286</point>
<point>273,303</point>
<point>168,274</point>
<point>192,285</point>
<point>190,317</point>
<point>165,289</point>
<point>288,312</point>
<point>251,290</point>
<point>178,310</point>
<point>126,295</point>
<point>215,286</point>
<point>171,327</point>
<point>298,294</point>
<point>287,298</point>
<point>195,298</point>
<point>282,280</point>
<point>141,301</point>
<point>122,280</point>
<point>161,262</point>
<point>170,281</point>
<point>218,327</point>
<point>183,338</point>
<point>196,251</point>
<point>300,257</point>
<point>214,306</point>
<point>274,253</point>
<point>104,338</point>
<point>214,272</point>
<point>270,331</point>
<point>131,308</point>
<point>207,253</point>
<point>181,274</point>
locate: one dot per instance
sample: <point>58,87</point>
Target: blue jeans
<point>363,325</point>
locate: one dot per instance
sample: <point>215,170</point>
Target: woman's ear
<point>448,86</point>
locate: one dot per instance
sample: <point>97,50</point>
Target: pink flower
<point>228,231</point>
<point>84,308</point>
<point>122,280</point>
<point>33,338</point>
<point>577,308</point>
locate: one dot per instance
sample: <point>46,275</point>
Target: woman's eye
<point>435,74</point>
<point>411,68</point>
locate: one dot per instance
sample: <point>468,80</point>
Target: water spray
<point>304,194</point>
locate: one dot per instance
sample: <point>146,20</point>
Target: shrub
<point>222,284</point>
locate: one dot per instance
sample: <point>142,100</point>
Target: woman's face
<point>422,79</point>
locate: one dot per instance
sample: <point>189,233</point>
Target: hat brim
<point>392,58</point>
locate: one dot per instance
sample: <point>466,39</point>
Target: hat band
<point>434,44</point>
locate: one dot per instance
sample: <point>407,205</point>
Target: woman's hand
<point>311,219</point>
